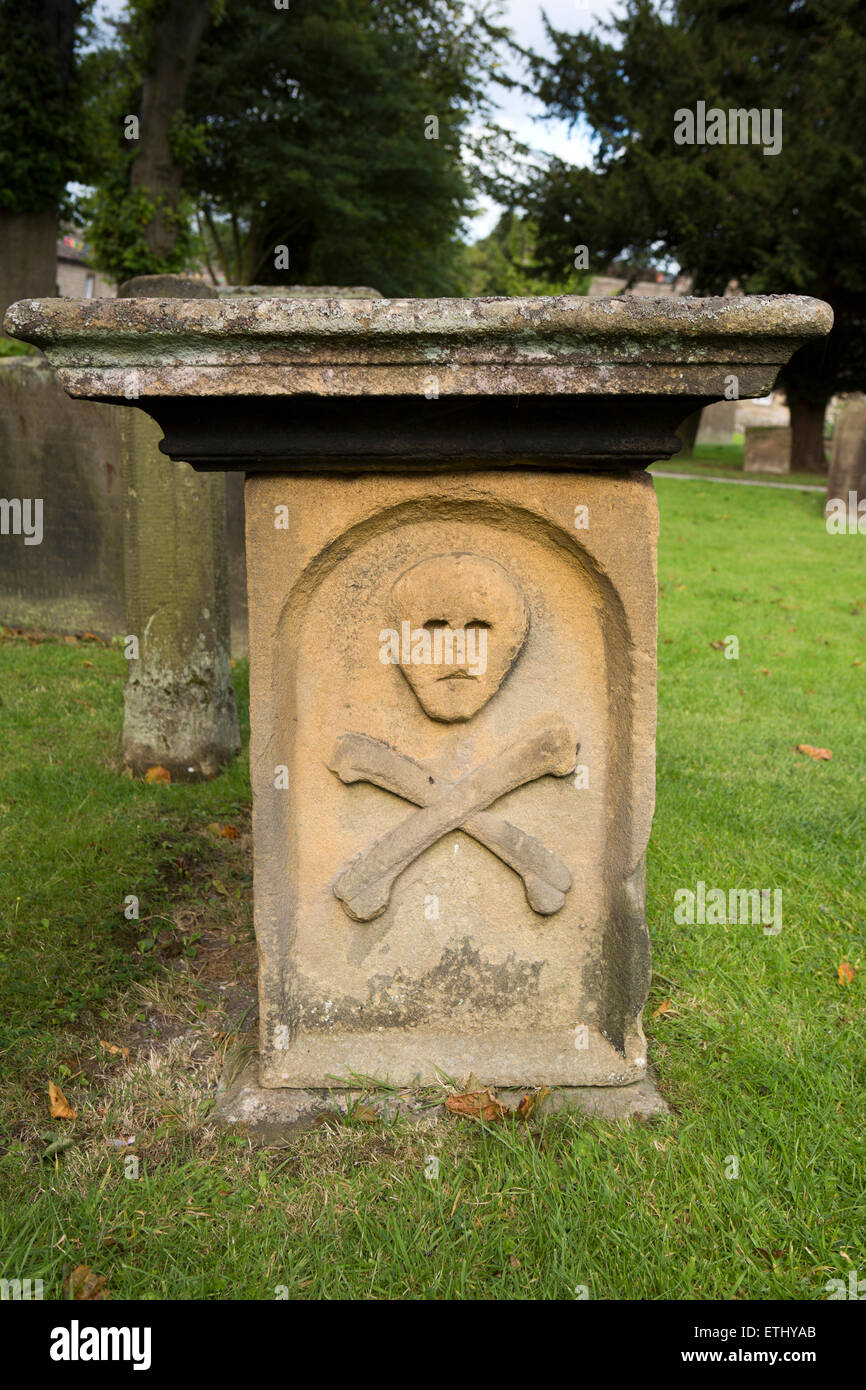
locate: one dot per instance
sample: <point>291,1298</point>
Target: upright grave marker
<point>451,545</point>
<point>847,474</point>
<point>178,702</point>
<point>767,449</point>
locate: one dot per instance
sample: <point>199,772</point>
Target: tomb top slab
<point>509,369</point>
<point>276,346</point>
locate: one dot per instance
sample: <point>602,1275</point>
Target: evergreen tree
<point>789,222</point>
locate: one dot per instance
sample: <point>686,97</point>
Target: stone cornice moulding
<point>419,382</point>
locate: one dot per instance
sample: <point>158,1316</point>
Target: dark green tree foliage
<point>334,129</point>
<point>40,101</point>
<point>793,222</point>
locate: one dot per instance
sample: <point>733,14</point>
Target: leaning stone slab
<point>449,848</point>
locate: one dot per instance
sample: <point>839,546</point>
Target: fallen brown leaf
<point>823,753</point>
<point>113,1047</point>
<point>83,1284</point>
<point>530,1102</point>
<point>60,1107</point>
<point>663,1008</point>
<point>157,774</point>
<point>229,832</point>
<point>846,972</point>
<point>478,1105</point>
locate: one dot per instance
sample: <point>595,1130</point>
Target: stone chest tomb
<point>451,548</point>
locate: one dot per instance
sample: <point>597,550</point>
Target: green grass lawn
<point>759,1047</point>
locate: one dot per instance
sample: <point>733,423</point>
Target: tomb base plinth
<point>273,1115</point>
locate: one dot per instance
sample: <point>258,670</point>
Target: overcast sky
<point>524,18</point>
<point>517,112</point>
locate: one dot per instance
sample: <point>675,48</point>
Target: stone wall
<point>66,452</point>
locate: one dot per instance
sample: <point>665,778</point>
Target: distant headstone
<point>848,457</point>
<point>718,423</point>
<point>767,449</point>
<point>298,292</point>
<point>767,410</point>
<point>165,287</point>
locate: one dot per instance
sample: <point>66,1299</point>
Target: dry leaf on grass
<point>84,1284</point>
<point>157,774</point>
<point>477,1105</point>
<point>846,972</point>
<point>113,1047</point>
<point>663,1008</point>
<point>479,1102</point>
<point>823,754</point>
<point>60,1107</point>
<point>531,1102</point>
<point>228,832</point>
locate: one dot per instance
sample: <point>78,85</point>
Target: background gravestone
<point>179,707</point>
<point>767,449</point>
<point>66,453</point>
<point>718,423</point>
<point>848,456</point>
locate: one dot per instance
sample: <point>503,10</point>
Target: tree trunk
<point>28,240</point>
<point>807,436</point>
<point>174,43</point>
<point>28,264</point>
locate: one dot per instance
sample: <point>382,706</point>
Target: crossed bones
<point>549,747</point>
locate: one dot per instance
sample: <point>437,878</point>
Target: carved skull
<point>477,619</point>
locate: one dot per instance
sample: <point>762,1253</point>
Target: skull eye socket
<point>477,622</point>
<point>432,623</point>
